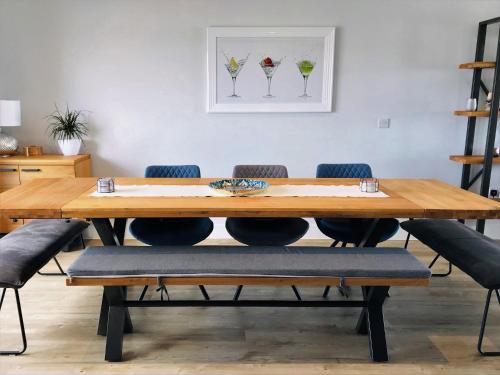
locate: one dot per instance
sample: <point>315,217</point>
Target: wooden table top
<point>417,198</point>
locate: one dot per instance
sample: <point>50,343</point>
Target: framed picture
<point>270,69</point>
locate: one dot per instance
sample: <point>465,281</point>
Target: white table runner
<point>273,191</point>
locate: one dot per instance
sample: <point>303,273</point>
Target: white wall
<point>139,68</point>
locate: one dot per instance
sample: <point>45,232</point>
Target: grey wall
<point>139,68</point>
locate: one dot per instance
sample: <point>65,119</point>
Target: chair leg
<point>483,325</point>
<point>335,243</point>
<point>343,244</point>
<point>238,292</point>
<point>21,324</point>
<point>143,293</point>
<point>440,274</point>
<point>60,273</point>
<point>204,292</point>
<point>297,294</point>
<point>326,291</point>
<point>407,241</point>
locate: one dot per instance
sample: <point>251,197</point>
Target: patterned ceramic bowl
<point>239,186</point>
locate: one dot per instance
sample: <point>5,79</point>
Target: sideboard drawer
<point>28,172</point>
<point>9,175</point>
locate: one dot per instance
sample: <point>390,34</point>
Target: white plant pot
<point>70,146</point>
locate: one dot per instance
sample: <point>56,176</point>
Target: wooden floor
<point>429,330</point>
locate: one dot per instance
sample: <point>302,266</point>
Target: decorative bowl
<point>239,186</point>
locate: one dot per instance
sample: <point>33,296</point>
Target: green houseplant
<point>68,129</point>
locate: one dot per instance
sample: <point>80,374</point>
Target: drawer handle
<point>8,170</point>
<point>31,170</point>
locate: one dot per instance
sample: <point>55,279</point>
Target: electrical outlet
<point>384,123</point>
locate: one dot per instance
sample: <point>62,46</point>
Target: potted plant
<point>68,129</point>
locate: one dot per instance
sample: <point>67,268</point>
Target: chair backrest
<point>260,171</point>
<point>343,171</point>
<point>173,171</point>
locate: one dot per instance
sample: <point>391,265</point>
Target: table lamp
<point>10,115</point>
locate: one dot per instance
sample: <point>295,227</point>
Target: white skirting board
<point>219,232</point>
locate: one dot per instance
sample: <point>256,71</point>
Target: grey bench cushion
<point>247,261</point>
<point>27,249</point>
<point>472,252</point>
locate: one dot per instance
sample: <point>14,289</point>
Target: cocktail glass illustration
<point>234,67</point>
<point>269,67</point>
<point>305,68</point>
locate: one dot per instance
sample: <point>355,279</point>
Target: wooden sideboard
<point>16,170</point>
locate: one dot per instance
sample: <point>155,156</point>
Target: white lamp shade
<point>10,113</point>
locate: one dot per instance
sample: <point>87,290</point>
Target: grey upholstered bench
<point>375,269</point>
<point>472,252</point>
<point>26,250</point>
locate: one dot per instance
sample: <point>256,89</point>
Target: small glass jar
<point>368,185</point>
<point>105,185</point>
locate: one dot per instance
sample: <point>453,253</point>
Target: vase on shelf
<point>70,147</point>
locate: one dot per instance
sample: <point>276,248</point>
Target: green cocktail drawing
<point>305,68</point>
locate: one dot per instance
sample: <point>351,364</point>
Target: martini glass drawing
<point>269,67</point>
<point>305,68</point>
<point>234,67</point>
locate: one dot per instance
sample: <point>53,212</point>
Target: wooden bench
<point>375,269</point>
<point>472,252</point>
<point>24,251</point>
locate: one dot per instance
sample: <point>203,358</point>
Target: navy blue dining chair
<point>265,231</point>
<point>172,231</point>
<point>352,231</point>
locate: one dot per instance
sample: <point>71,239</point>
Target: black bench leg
<point>204,292</point>
<point>21,324</point>
<point>297,293</point>
<point>376,328</point>
<point>483,325</point>
<point>60,273</point>
<point>237,293</point>
<point>116,323</point>
<point>440,274</point>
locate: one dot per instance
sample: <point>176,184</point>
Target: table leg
<point>362,325</point>
<point>116,323</point>
<point>111,236</point>
<point>376,328</point>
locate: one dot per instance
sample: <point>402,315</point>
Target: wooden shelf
<point>472,113</point>
<point>471,159</point>
<point>478,65</point>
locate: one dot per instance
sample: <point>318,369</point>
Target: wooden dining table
<point>72,198</point>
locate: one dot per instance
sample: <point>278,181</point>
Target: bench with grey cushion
<point>375,269</point>
<point>472,252</point>
<point>26,250</point>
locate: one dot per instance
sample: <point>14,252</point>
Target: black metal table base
<point>117,320</point>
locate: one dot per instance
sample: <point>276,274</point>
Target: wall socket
<point>384,123</point>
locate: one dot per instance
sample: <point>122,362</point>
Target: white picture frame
<point>323,40</point>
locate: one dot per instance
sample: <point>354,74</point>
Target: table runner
<point>342,191</point>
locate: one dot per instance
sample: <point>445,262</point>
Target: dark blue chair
<point>265,231</point>
<point>352,231</point>
<point>172,231</point>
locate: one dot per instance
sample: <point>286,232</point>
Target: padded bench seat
<point>474,253</point>
<point>24,251</point>
<point>27,249</point>
<point>115,268</point>
<point>112,261</point>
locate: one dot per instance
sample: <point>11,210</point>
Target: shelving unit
<point>488,159</point>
